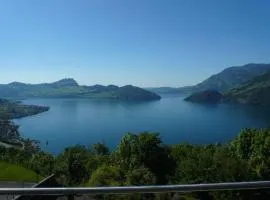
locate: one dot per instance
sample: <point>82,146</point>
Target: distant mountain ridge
<point>69,88</point>
<point>223,81</point>
<point>66,82</point>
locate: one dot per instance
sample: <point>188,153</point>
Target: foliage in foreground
<point>144,159</point>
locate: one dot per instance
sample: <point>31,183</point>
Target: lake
<point>84,121</point>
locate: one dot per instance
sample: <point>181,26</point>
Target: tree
<point>106,176</point>
<point>100,149</point>
<point>95,161</point>
<point>140,176</point>
<point>73,164</point>
<point>43,163</point>
<point>128,152</point>
<point>156,156</point>
<point>146,149</point>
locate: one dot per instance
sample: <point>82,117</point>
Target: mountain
<point>69,88</point>
<point>130,92</point>
<point>207,96</point>
<point>232,77</point>
<point>255,92</point>
<point>67,82</point>
<point>225,80</point>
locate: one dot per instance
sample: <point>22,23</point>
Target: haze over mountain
<point>69,88</point>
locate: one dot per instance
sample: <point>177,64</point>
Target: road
<point>6,145</point>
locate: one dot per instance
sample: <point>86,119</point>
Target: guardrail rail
<point>71,191</point>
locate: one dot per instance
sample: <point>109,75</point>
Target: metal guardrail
<point>138,189</point>
<point>48,182</point>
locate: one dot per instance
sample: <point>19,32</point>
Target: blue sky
<point>140,42</point>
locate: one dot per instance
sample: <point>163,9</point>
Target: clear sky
<point>140,42</point>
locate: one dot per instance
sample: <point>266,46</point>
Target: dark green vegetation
<point>69,88</point>
<point>12,109</point>
<point>208,96</point>
<point>144,159</point>
<point>255,92</point>
<point>225,80</point>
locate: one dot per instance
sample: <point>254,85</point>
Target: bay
<point>83,121</point>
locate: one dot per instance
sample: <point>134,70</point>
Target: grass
<point>12,172</point>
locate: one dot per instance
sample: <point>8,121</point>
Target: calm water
<point>83,121</point>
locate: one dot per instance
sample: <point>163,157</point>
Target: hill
<point>69,88</point>
<point>232,77</point>
<point>223,81</point>
<point>256,92</point>
<point>208,96</point>
<point>12,172</point>
<point>130,92</point>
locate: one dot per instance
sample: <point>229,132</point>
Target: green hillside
<point>223,81</point>
<point>12,172</point>
<point>256,92</point>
